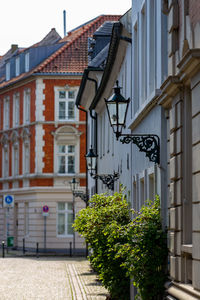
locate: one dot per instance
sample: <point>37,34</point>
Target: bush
<point>97,223</point>
<point>145,252</point>
<point>122,248</point>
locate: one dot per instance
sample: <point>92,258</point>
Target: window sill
<point>65,236</point>
<point>187,248</point>
<point>144,109</point>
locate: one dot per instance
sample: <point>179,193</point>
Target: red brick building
<point>43,136</point>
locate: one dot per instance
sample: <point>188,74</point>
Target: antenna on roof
<point>64,21</point>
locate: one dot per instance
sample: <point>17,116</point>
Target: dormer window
<point>8,71</point>
<point>17,66</point>
<point>27,66</point>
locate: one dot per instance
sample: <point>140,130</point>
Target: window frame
<point>16,109</point>
<point>5,163</point>
<point>7,71</point>
<point>27,62</point>
<point>15,159</point>
<point>66,154</point>
<point>66,213</point>
<point>6,113</point>
<point>17,66</point>
<point>67,100</point>
<point>27,106</point>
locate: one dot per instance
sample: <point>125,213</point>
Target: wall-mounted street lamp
<point>107,179</point>
<point>77,193</point>
<point>117,107</point>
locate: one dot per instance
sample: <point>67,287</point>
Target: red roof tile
<point>73,56</point>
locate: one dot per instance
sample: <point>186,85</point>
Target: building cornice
<point>55,123</point>
<point>182,291</point>
<point>65,177</point>
<point>188,67</point>
<point>169,89</point>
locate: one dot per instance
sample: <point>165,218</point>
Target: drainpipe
<point>80,108</point>
<point>95,124</point>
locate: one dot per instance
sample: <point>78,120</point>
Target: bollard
<point>86,250</point>
<point>37,250</point>
<point>3,249</point>
<point>23,245</point>
<point>70,249</point>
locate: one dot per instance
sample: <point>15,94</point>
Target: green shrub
<point>145,252</point>
<point>122,248</point>
<point>100,220</point>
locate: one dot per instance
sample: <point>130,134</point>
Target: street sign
<point>8,201</point>
<point>45,211</point>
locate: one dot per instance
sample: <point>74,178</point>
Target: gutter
<point>84,81</point>
<point>114,44</point>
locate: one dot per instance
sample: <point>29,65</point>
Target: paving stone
<point>52,278</point>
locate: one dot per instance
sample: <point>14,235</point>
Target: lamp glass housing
<point>91,159</point>
<point>73,184</point>
<point>117,107</point>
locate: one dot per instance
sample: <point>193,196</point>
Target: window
<point>8,71</point>
<point>5,161</point>
<point>66,106</point>
<point>27,106</point>
<point>17,66</point>
<point>64,219</point>
<point>15,153</point>
<point>16,109</point>
<point>6,112</point>
<point>26,158</point>
<point>151,187</point>
<point>15,159</point>
<point>66,159</point>
<point>136,70</point>
<point>26,150</point>
<point>27,66</point>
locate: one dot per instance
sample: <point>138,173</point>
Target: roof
<point>72,57</point>
<point>100,58</point>
<point>105,29</point>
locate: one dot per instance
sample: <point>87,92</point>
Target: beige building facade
<point>181,100</point>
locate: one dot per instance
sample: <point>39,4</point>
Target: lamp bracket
<point>107,179</point>
<point>81,195</point>
<point>148,143</point>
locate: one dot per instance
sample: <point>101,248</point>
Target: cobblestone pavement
<point>48,278</point>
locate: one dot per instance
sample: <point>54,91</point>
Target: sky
<point>25,22</point>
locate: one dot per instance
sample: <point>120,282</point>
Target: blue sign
<point>8,199</point>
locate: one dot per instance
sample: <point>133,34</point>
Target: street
<point>42,278</point>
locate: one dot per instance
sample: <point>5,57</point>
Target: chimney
<point>64,22</point>
<point>14,47</point>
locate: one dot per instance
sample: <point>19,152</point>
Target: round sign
<point>8,199</point>
<point>45,208</point>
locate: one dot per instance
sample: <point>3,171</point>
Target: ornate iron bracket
<point>148,143</point>
<point>81,195</point>
<point>107,179</point>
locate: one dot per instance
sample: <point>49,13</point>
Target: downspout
<point>95,121</point>
<point>80,108</point>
